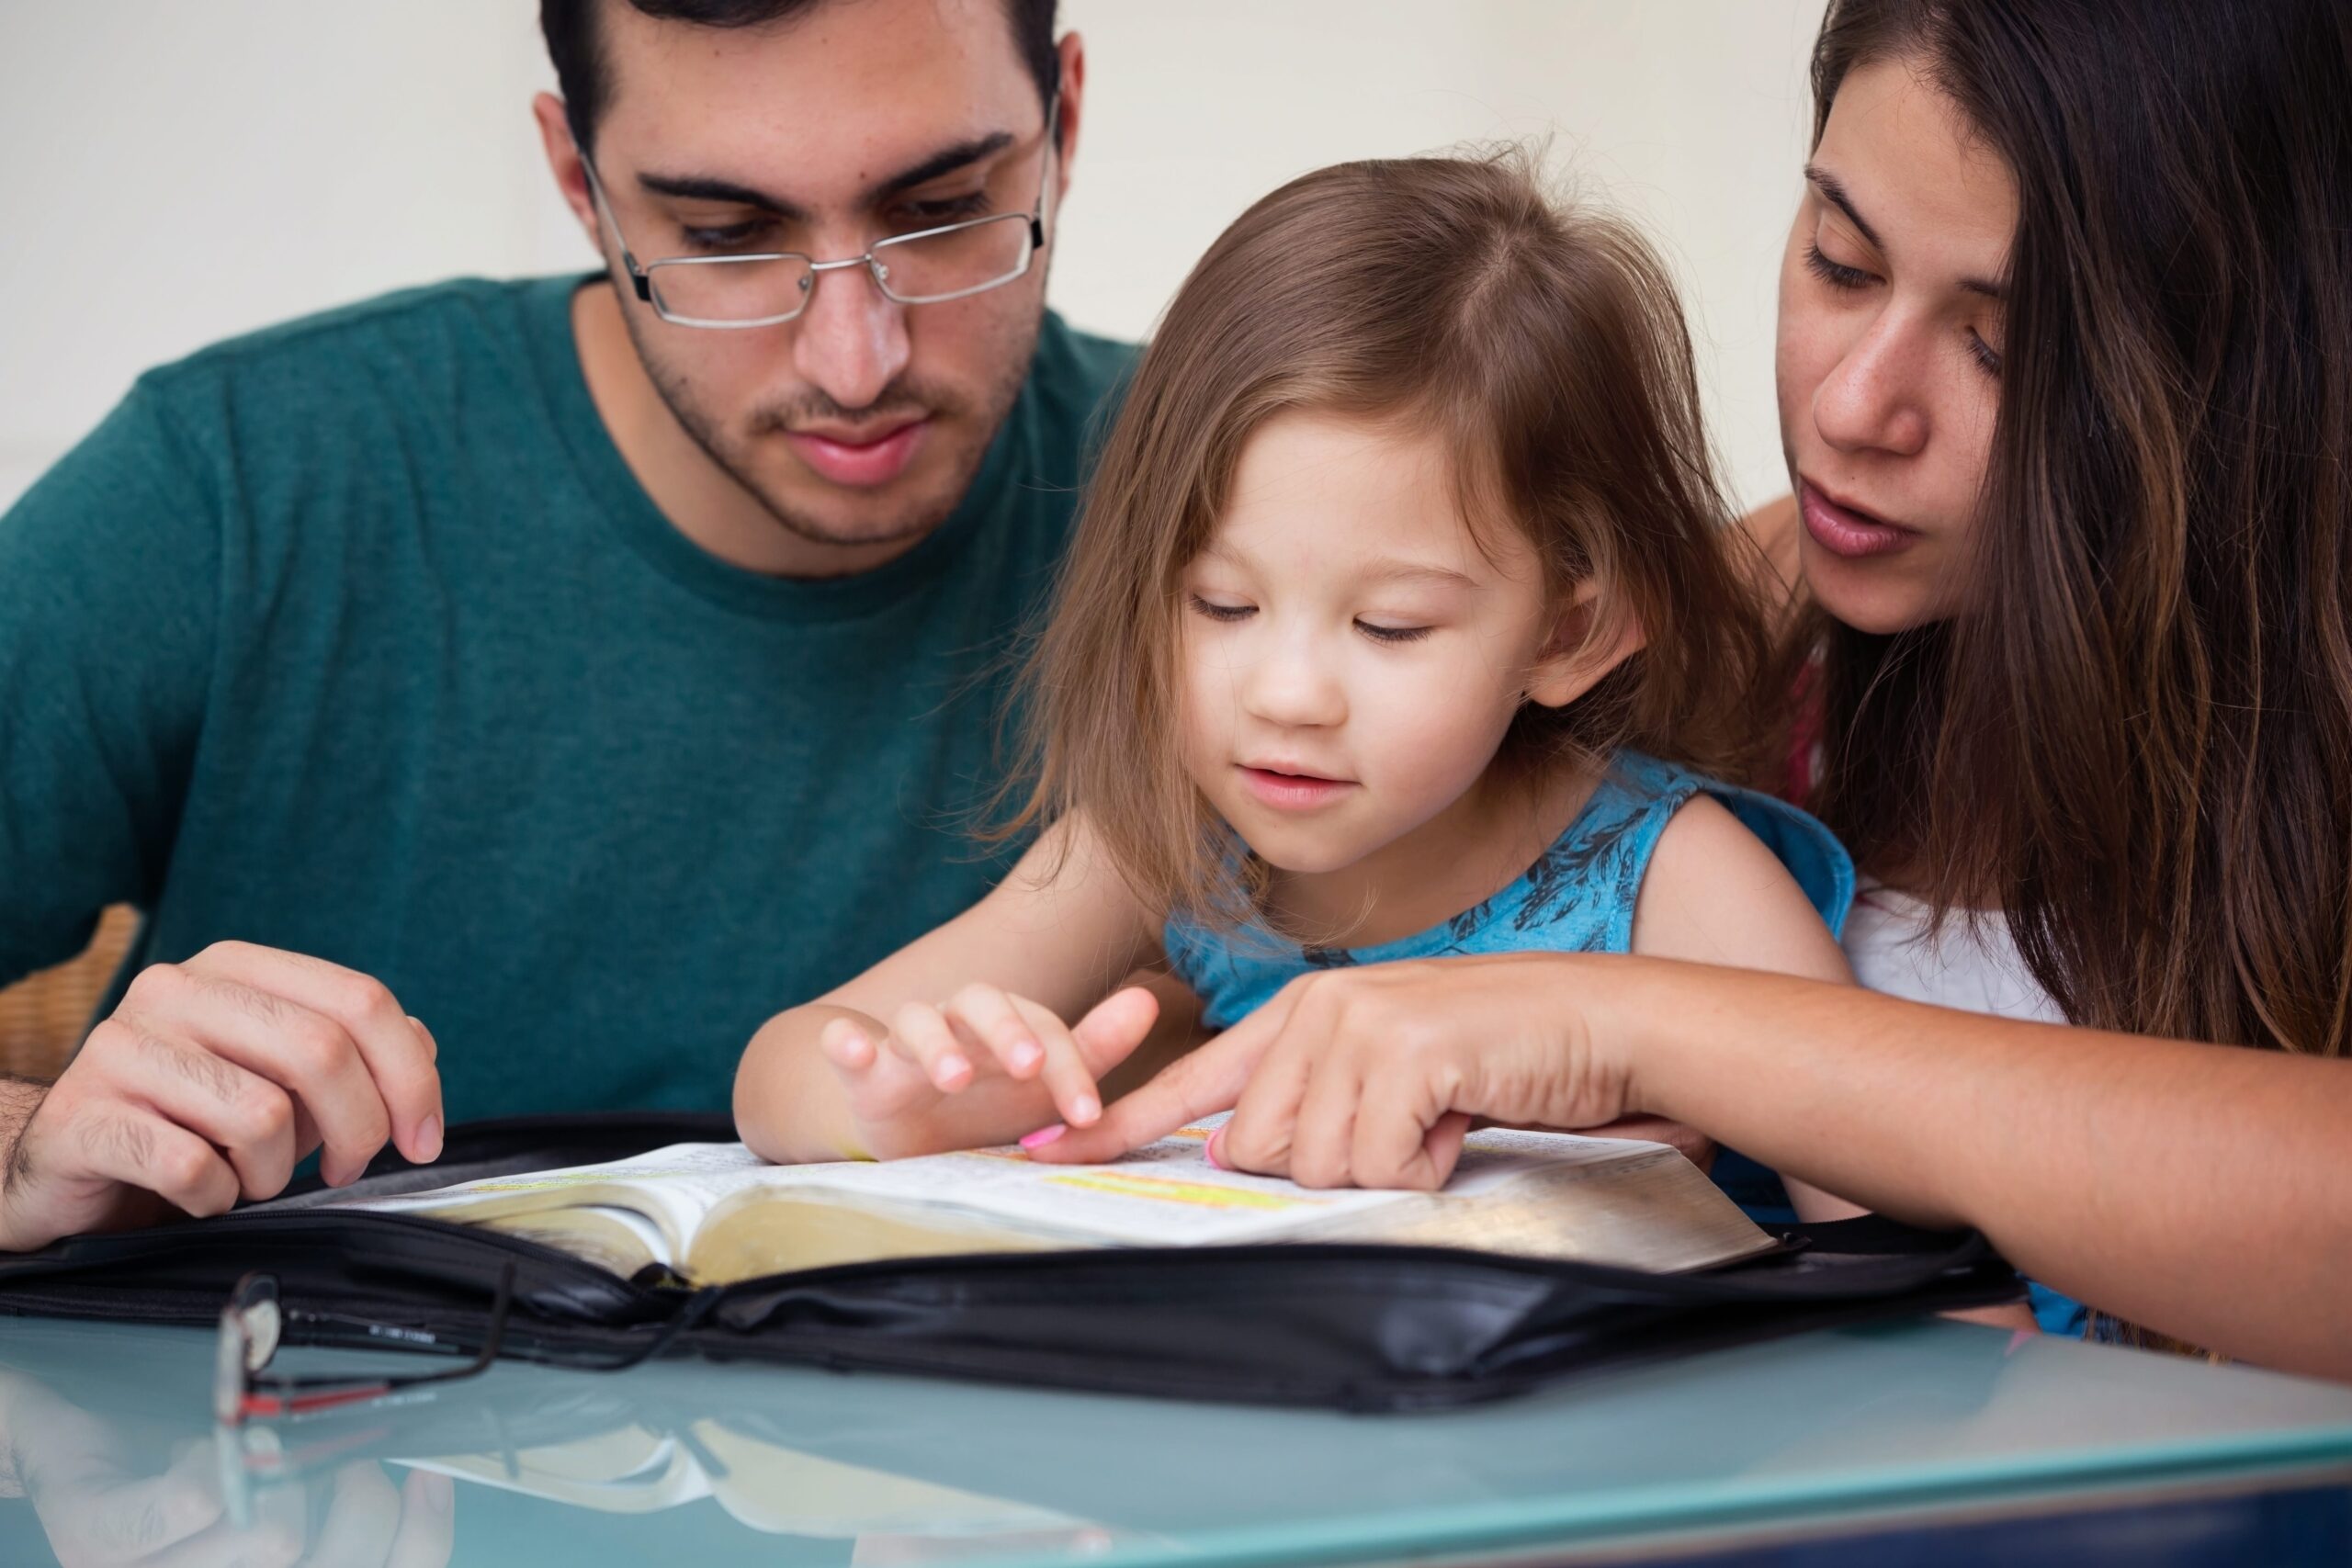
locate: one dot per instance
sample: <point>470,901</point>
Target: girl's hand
<point>982,1045</point>
<point>1371,1076</point>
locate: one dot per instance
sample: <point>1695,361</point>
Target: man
<point>585,669</point>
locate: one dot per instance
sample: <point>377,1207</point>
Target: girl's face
<point>1351,658</point>
<point>1890,343</point>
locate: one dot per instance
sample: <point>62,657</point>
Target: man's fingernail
<point>1085,1109</point>
<point>1043,1135</point>
<point>428,1140</point>
<point>1208,1150</point>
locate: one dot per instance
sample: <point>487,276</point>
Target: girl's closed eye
<point>1392,635</point>
<point>1219,609</point>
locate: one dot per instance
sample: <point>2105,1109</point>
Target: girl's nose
<point>1291,686</point>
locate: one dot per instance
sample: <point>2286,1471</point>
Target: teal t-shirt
<point>357,636</point>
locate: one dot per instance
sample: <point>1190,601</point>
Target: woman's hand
<point>976,1047</point>
<point>1371,1076</point>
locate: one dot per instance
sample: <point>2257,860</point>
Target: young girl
<point>1398,622</point>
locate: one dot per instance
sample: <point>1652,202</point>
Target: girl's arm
<point>958,1039</point>
<point>1715,894</point>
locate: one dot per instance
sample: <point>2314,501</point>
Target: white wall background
<point>172,173</point>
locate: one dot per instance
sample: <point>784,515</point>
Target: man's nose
<point>851,340</point>
<point>1873,397</point>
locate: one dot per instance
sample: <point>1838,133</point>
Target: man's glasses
<point>253,1325</point>
<point>926,267</point>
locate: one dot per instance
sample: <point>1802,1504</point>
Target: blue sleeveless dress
<point>1578,896</point>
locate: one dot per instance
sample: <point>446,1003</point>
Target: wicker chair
<point>42,1015</point>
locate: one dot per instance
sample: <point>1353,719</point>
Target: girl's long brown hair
<point>2137,743</point>
<point>1542,340</point>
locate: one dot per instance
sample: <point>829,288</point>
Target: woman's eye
<point>1217,611</point>
<point>1838,275</point>
<point>1392,634</point>
<point>1984,353</point>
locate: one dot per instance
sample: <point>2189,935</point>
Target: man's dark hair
<point>575,46</point>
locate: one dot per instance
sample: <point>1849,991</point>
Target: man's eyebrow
<point>1833,191</point>
<point>698,187</point>
<point>947,160</point>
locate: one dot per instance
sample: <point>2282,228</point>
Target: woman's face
<point>1889,351</point>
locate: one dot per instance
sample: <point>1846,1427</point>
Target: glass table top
<point>117,1459</point>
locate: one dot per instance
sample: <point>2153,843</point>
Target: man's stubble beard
<point>733,455</point>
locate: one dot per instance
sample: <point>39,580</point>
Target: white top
<point>1970,963</point>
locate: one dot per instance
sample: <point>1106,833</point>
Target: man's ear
<point>1073,114</point>
<point>1587,642</point>
<point>564,162</point>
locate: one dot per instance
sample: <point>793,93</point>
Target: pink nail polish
<point>1043,1135</point>
<point>1208,1150</point>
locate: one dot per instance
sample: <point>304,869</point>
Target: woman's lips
<point>860,465</point>
<point>1293,791</point>
<point>1843,532</point>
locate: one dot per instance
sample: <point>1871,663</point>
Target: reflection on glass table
<point>117,1462</point>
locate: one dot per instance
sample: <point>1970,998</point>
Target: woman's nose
<point>1872,400</point>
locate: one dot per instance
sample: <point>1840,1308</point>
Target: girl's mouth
<point>1292,792</point>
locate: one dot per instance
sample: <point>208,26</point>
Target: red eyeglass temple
<point>253,1405</point>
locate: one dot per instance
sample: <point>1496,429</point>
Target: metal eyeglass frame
<point>640,273</point>
<point>253,1326</point>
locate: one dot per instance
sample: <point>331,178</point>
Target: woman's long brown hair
<point>1541,341</point>
<point>2137,741</point>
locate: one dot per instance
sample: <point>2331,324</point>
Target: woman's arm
<point>2204,1192</point>
<point>958,1039</point>
<point>2200,1190</point>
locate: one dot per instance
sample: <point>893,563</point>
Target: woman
<point>2065,377</point>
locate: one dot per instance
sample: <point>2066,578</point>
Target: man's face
<point>862,421</point>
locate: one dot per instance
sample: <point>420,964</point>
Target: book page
<point>671,1188</point>
<point>1165,1194</point>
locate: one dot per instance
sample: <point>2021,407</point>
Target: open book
<point>716,1212</point>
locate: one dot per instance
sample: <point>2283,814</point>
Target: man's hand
<point>212,1081</point>
<point>1371,1077</point>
